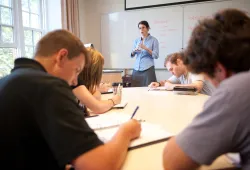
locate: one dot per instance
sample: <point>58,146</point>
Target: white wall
<point>54,17</point>
<point>90,12</point>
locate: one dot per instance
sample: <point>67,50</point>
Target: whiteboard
<point>140,3</point>
<point>119,30</point>
<point>192,15</point>
<point>207,10</point>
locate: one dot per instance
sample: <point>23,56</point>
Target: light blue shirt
<point>143,58</point>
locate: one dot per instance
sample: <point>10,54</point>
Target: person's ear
<point>61,57</point>
<point>179,62</point>
<point>220,73</point>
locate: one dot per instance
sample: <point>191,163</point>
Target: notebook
<point>106,126</point>
<point>104,121</point>
<point>121,105</point>
<point>159,89</point>
<point>108,92</point>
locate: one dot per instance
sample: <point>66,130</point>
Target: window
<point>32,24</point>
<point>21,27</point>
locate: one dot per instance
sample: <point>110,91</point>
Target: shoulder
<point>196,77</point>
<point>238,81</point>
<point>237,85</point>
<point>137,39</point>
<point>232,93</point>
<point>36,79</point>
<point>153,38</point>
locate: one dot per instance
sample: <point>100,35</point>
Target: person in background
<point>89,80</point>
<point>219,48</point>
<point>181,75</point>
<point>41,124</point>
<point>145,49</point>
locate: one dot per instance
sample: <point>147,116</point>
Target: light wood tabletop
<point>173,112</point>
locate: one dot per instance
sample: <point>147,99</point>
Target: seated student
<point>89,79</point>
<point>174,64</point>
<point>219,48</point>
<point>41,126</point>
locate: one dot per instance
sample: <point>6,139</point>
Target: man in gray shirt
<point>219,48</point>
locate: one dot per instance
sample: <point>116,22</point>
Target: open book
<point>106,126</point>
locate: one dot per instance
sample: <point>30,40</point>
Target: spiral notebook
<point>105,126</point>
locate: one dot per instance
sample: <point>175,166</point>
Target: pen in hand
<point>119,89</point>
<point>137,107</point>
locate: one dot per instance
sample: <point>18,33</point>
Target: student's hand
<point>104,87</point>
<point>162,82</point>
<point>154,85</point>
<point>132,129</point>
<point>117,99</point>
<point>68,166</point>
<point>169,86</point>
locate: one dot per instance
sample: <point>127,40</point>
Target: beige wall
<point>90,12</point>
<point>90,18</point>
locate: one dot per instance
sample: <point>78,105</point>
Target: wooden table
<point>174,112</point>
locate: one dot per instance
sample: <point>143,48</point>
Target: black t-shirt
<point>80,105</point>
<point>80,82</point>
<point>41,126</point>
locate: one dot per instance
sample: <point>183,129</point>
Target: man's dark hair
<point>225,39</point>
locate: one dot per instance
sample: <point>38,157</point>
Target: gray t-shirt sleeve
<point>211,133</point>
<point>174,80</point>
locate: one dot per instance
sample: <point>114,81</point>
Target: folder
<point>105,126</point>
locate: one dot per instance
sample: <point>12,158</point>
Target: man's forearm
<point>149,51</point>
